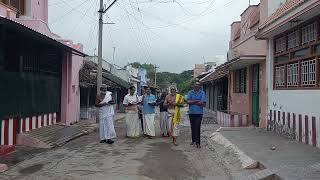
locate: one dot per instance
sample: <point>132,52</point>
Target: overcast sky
<point>174,34</point>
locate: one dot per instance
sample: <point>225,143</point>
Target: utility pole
<point>155,75</point>
<point>114,50</point>
<point>101,11</point>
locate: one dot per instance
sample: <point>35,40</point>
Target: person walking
<point>174,102</point>
<point>196,100</point>
<point>164,124</point>
<point>148,110</point>
<point>105,115</point>
<point>131,102</point>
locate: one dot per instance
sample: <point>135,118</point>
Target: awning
<point>38,36</point>
<point>243,61</point>
<point>216,75</point>
<point>115,79</point>
<point>288,15</point>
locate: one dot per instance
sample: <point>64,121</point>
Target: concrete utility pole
<point>114,50</point>
<point>101,11</point>
<point>155,75</point>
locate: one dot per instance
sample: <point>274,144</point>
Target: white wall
<point>304,102</point>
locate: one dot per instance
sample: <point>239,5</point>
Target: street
<point>141,158</point>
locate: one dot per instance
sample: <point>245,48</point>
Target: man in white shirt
<point>131,102</point>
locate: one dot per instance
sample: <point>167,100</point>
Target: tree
<point>164,79</point>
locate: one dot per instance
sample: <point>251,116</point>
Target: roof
<point>285,8</point>
<point>36,35</point>
<point>88,79</point>
<point>218,74</point>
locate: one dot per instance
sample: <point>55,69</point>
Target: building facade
<point>40,69</point>
<point>293,69</point>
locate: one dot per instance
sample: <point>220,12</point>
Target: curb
<point>246,161</point>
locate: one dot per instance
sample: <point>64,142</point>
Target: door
<point>255,95</point>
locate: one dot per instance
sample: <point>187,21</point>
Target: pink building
<point>39,69</point>
<point>236,89</point>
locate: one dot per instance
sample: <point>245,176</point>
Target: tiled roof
<point>285,8</point>
<point>219,73</point>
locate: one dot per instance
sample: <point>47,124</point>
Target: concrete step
<point>51,136</point>
<point>265,174</point>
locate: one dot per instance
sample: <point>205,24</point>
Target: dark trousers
<point>195,121</point>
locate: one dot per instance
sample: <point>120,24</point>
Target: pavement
<point>136,159</point>
<point>290,160</point>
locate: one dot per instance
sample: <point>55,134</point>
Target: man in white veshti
<point>131,102</point>
<point>105,115</point>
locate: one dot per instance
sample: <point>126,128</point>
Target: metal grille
<point>281,44</point>
<point>292,74</point>
<point>308,72</point>
<point>293,40</point>
<point>255,80</point>
<point>308,33</point>
<point>240,81</point>
<point>280,76</point>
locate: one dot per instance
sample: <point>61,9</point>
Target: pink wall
<point>70,92</point>
<point>240,102</point>
<point>39,10</point>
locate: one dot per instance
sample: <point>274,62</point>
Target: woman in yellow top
<point>174,102</point>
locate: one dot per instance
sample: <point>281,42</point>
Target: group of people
<point>170,115</point>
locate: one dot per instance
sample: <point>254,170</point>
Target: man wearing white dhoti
<point>131,102</point>
<point>105,115</point>
<point>149,103</point>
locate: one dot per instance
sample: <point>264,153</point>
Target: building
<point>198,70</point>
<point>116,79</point>
<point>293,72</point>
<point>246,63</point>
<point>39,71</point>
<point>236,89</point>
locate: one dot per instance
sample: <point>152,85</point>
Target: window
<point>280,76</point>
<point>308,72</point>
<point>281,44</point>
<point>293,40</point>
<point>17,4</point>
<point>308,33</point>
<point>293,74</point>
<point>240,80</point>
<point>301,53</point>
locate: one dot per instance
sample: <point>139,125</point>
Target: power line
<point>81,20</point>
<point>68,13</point>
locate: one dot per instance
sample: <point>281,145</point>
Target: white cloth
<point>106,127</point>
<point>133,124</point>
<point>148,124</point>
<point>134,99</point>
<point>164,123</point>
<point>108,109</point>
<point>174,129</point>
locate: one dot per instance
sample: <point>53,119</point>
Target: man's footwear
<point>198,146</point>
<point>149,137</point>
<point>163,135</point>
<point>109,141</point>
<point>193,143</point>
<point>103,141</point>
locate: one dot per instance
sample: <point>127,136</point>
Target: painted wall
<point>37,9</point>
<point>304,102</point>
<point>240,102</point>
<point>70,91</point>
